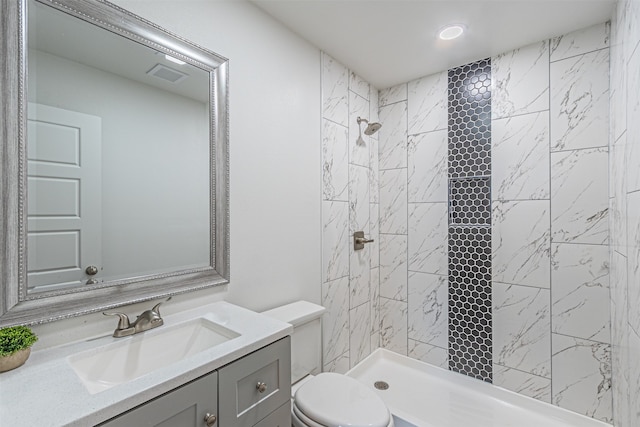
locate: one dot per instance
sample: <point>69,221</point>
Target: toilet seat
<point>334,400</point>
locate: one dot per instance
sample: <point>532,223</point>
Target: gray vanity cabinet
<point>186,406</point>
<point>253,391</point>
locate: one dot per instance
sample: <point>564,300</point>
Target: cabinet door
<point>281,417</point>
<point>186,406</point>
<point>256,385</point>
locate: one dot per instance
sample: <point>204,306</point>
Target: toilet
<point>324,399</point>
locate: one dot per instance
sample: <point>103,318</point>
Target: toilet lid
<point>335,400</point>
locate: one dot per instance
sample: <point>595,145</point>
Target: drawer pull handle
<point>210,419</point>
<point>261,387</point>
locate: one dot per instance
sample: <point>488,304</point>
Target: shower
<point>371,127</point>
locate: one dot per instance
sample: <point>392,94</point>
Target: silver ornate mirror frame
<point>16,307</point>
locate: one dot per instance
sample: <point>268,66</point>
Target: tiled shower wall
<point>624,144</point>
<point>349,204</point>
<point>550,234</point>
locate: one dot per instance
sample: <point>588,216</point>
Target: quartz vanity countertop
<point>47,392</point>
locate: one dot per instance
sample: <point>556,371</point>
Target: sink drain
<point>381,385</point>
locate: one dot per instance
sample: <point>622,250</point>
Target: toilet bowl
<point>324,399</point>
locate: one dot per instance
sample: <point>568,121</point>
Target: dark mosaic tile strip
<point>470,345</point>
<point>470,120</point>
<point>470,322</point>
<point>470,201</point>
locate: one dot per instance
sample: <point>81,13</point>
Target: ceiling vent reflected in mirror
<point>167,74</point>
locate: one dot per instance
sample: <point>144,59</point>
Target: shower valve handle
<point>359,240</point>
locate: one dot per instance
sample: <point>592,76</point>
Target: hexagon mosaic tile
<point>470,120</point>
<point>470,333</point>
<point>470,201</point>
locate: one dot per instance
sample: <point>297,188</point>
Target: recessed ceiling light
<point>451,32</point>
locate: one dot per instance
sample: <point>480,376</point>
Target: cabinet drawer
<point>241,402</point>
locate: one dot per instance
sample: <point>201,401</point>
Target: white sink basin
<point>107,366</point>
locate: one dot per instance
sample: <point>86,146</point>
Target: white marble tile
<point>521,242</point>
<point>374,172</point>
<point>521,328</point>
<point>620,340</point>
<point>393,330</point>
<point>375,301</point>
<point>392,149</point>
<point>393,94</point>
<point>633,268</point>
<point>375,341</point>
<point>360,335</point>
<point>374,105</point>
<point>359,143</point>
<point>335,240</point>
<point>429,354</point>
<point>579,196</point>
<point>428,308</point>
<point>358,199</point>
<point>427,167</point>
<point>335,88</point>
<point>579,42</point>
<point>374,233</point>
<point>428,237</point>
<point>520,157</point>
<point>427,103</point>
<point>580,102</point>
<point>335,161</point>
<point>335,321</point>
<point>632,23</point>
<point>393,266</point>
<point>634,375</point>
<point>339,365</point>
<point>520,81</point>
<point>581,379</point>
<point>633,123</point>
<point>359,85</point>
<point>618,189</point>
<point>522,383</point>
<point>580,291</point>
<point>393,201</point>
<point>359,276</point>
<point>618,84</point>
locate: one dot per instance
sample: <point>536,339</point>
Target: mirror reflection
<point>118,172</point>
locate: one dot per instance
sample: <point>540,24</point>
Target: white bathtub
<point>422,395</point>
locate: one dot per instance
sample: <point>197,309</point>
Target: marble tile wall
<point>350,200</point>
<point>624,205</point>
<point>550,219</point>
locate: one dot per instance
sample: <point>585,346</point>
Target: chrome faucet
<point>149,319</point>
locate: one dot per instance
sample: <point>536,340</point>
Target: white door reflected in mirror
<point>64,207</point>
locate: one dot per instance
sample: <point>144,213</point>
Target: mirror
<point>115,156</point>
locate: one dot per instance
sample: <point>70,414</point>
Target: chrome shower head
<point>371,127</point>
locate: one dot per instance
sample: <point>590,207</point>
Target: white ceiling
<point>394,41</point>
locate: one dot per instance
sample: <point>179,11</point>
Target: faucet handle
<point>156,308</point>
<point>123,323</point>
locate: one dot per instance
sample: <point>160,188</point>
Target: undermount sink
<point>117,363</point>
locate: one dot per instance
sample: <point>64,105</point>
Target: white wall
<point>275,158</point>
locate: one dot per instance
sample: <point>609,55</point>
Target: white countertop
<point>46,391</point>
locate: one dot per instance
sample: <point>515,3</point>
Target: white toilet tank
<point>306,340</point>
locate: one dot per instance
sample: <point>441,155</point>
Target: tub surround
<point>47,386</point>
